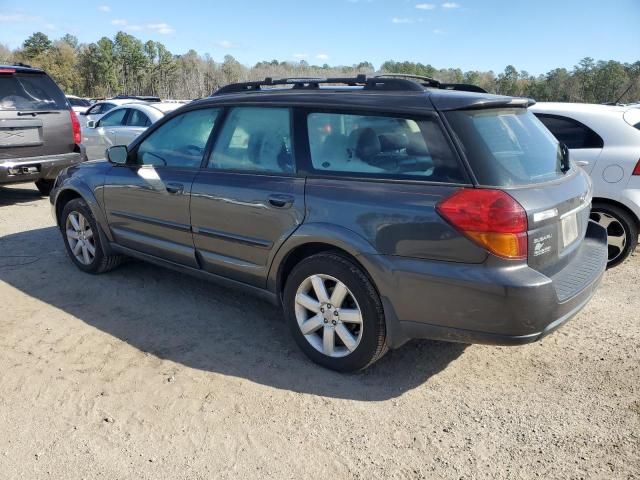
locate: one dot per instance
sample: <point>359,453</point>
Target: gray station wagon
<point>39,132</point>
<point>374,210</point>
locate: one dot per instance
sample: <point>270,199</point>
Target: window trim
<point>215,136</point>
<point>307,169</point>
<point>565,118</point>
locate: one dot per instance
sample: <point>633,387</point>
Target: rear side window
<point>381,146</point>
<point>137,119</point>
<point>507,147</point>
<point>180,142</point>
<point>571,132</point>
<point>254,139</point>
<point>22,91</point>
<point>78,102</point>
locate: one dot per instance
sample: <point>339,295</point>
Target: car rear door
<point>34,116</point>
<point>147,200</point>
<point>247,201</point>
<point>137,122</point>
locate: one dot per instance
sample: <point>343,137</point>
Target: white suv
<point>605,141</point>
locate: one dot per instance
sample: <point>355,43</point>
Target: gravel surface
<point>144,373</point>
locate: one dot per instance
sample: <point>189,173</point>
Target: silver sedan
<point>121,126</point>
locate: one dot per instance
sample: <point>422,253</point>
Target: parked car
<point>121,126</point>
<point>389,210</point>
<point>99,109</point>
<point>79,105</point>
<point>605,141</point>
<point>39,133</point>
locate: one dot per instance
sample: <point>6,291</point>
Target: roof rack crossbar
<point>296,82</point>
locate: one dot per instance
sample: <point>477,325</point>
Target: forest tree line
<point>127,65</point>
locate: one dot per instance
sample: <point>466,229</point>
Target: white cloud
<point>450,5</point>
<point>425,6</point>
<point>104,8</point>
<point>322,56</point>
<point>401,20</point>
<point>17,17</point>
<point>119,21</point>
<point>226,44</point>
<point>162,28</point>
<point>300,56</point>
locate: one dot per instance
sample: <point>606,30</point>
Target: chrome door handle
<point>281,201</point>
<point>175,188</point>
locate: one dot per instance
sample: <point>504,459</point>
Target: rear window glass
<point>507,147</point>
<point>30,92</point>
<point>78,102</point>
<point>381,146</point>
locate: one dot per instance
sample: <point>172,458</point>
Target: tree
<point>70,40</point>
<point>36,45</point>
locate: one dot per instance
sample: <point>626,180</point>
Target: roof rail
<point>144,98</point>
<point>386,82</point>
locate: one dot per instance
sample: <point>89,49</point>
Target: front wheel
<point>335,313</point>
<point>622,231</point>
<point>82,239</point>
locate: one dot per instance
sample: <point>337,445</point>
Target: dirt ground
<point>143,373</point>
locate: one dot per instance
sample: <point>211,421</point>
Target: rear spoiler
<point>476,102</point>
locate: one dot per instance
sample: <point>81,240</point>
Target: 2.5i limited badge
<point>542,245</point>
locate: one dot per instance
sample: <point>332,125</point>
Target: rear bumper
<point>485,304</point>
<point>29,169</point>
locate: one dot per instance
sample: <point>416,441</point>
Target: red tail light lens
<point>491,218</point>
<point>75,124</point>
<point>636,170</point>
<point>7,70</point>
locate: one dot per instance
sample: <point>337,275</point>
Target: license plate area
<point>19,136</point>
<point>569,229</point>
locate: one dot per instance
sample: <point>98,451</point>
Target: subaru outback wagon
<point>39,132</point>
<point>374,210</point>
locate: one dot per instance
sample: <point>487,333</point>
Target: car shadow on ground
<point>15,196</point>
<point>201,325</point>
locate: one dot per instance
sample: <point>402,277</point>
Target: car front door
<point>102,136</point>
<point>147,200</point>
<point>247,200</point>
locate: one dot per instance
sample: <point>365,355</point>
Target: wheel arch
<point>70,192</point>
<point>614,203</point>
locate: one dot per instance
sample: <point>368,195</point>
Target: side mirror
<point>117,154</point>
<point>92,124</point>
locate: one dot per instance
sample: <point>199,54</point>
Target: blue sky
<point>470,34</point>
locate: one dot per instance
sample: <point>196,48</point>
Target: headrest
<point>390,142</point>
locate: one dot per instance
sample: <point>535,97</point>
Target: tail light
<point>75,125</point>
<point>636,170</point>
<point>490,218</point>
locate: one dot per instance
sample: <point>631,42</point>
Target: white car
<point>121,125</point>
<point>78,104</point>
<point>99,109</point>
<point>605,141</point>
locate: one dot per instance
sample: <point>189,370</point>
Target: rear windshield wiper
<point>38,112</point>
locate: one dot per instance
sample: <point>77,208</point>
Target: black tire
<point>45,186</point>
<point>627,226</point>
<point>100,263</point>
<point>372,345</point>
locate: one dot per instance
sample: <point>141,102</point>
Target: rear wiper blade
<point>39,112</point>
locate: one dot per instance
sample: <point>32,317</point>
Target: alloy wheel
<point>80,238</point>
<point>328,315</point>
<point>616,233</point>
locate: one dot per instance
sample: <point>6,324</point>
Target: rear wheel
<point>335,313</point>
<point>622,231</point>
<point>44,186</point>
<point>82,240</point>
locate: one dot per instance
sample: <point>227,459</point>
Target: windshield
<point>23,91</point>
<point>507,147</point>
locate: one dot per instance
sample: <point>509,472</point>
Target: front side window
<point>254,139</point>
<point>507,146</point>
<point>113,119</point>
<point>180,142</point>
<point>381,146</point>
<point>571,132</point>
